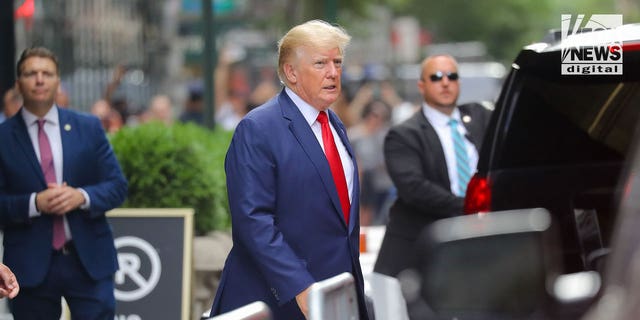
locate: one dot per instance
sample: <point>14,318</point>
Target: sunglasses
<point>452,76</point>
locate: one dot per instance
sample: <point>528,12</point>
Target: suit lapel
<point>303,133</point>
<point>432,140</point>
<point>21,135</point>
<point>66,138</point>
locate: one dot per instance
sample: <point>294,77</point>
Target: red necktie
<point>331,151</point>
<point>46,163</point>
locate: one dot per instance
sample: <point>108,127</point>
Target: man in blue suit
<point>293,184</point>
<point>58,177</point>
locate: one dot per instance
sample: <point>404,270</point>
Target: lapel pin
<point>67,127</point>
<point>466,119</point>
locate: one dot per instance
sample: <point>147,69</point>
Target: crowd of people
<point>367,115</point>
<point>352,160</point>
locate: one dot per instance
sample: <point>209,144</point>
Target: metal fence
<point>254,311</point>
<point>92,37</point>
<point>334,298</point>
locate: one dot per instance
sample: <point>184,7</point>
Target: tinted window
<point>569,120</point>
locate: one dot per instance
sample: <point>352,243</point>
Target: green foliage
<point>504,26</point>
<point>178,166</point>
<point>628,8</point>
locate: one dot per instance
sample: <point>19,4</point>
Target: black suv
<point>559,141</point>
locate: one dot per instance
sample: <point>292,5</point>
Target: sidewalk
<point>385,291</point>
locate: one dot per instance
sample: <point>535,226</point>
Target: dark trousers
<point>87,298</point>
<point>396,254</point>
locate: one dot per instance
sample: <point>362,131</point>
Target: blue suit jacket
<point>88,163</point>
<point>288,229</point>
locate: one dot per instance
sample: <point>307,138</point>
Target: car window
<point>570,120</point>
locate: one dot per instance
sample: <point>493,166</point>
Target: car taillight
<point>478,198</point>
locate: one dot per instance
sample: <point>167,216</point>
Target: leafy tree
<point>630,9</point>
<point>504,26</point>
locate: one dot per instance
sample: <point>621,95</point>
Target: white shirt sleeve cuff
<point>87,200</point>
<point>32,206</point>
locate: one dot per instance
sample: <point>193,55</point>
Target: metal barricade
<point>254,311</point>
<point>334,298</point>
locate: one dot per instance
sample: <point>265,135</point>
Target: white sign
<point>131,266</point>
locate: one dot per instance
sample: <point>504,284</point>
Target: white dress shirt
<point>311,115</point>
<point>52,129</point>
<point>440,123</point>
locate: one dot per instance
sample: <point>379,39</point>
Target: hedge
<point>177,166</point>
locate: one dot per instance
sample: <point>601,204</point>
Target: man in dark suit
<point>58,177</point>
<point>293,184</point>
<point>428,165</point>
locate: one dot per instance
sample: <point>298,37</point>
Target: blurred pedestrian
<point>265,89</point>
<point>401,109</point>
<point>231,91</point>
<point>11,102</point>
<point>111,120</point>
<point>101,109</point>
<point>430,158</point>
<point>114,95</point>
<point>59,176</point>
<point>160,109</point>
<point>293,185</point>
<point>367,139</point>
<point>62,97</point>
<point>193,110</point>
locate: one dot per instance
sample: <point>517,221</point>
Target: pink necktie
<point>331,151</point>
<point>49,171</point>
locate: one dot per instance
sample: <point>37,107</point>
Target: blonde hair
<point>313,33</point>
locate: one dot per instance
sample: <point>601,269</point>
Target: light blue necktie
<point>462,159</point>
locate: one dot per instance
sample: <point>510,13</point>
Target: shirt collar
<point>309,113</point>
<point>30,118</point>
<point>437,118</point>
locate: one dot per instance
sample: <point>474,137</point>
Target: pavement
<point>373,237</point>
<point>385,291</point>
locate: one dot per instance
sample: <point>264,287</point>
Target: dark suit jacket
<point>288,229</point>
<point>416,163</point>
<point>88,163</point>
